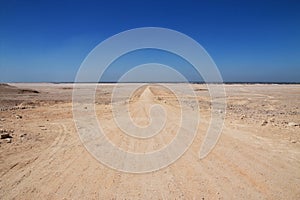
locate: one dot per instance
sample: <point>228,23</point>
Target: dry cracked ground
<point>257,155</point>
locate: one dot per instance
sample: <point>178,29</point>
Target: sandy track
<point>250,161</point>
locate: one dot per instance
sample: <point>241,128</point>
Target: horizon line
<point>191,82</point>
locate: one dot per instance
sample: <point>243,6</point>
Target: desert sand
<point>257,155</point>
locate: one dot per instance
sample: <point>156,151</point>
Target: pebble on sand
<point>5,135</point>
<point>19,117</point>
<point>23,135</point>
<point>272,119</point>
<point>265,122</point>
<point>8,140</point>
<point>293,124</point>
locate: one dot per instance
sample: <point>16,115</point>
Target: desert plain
<point>257,155</point>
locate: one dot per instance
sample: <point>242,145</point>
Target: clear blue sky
<point>248,40</point>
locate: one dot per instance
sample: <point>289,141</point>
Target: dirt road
<point>256,157</point>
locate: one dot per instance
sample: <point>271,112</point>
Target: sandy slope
<point>46,159</point>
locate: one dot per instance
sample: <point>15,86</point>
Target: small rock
<point>8,140</point>
<point>5,136</point>
<point>18,116</point>
<point>243,116</point>
<point>2,120</point>
<point>23,135</point>
<point>272,119</point>
<point>43,128</point>
<point>293,124</point>
<point>265,122</point>
<point>293,141</point>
